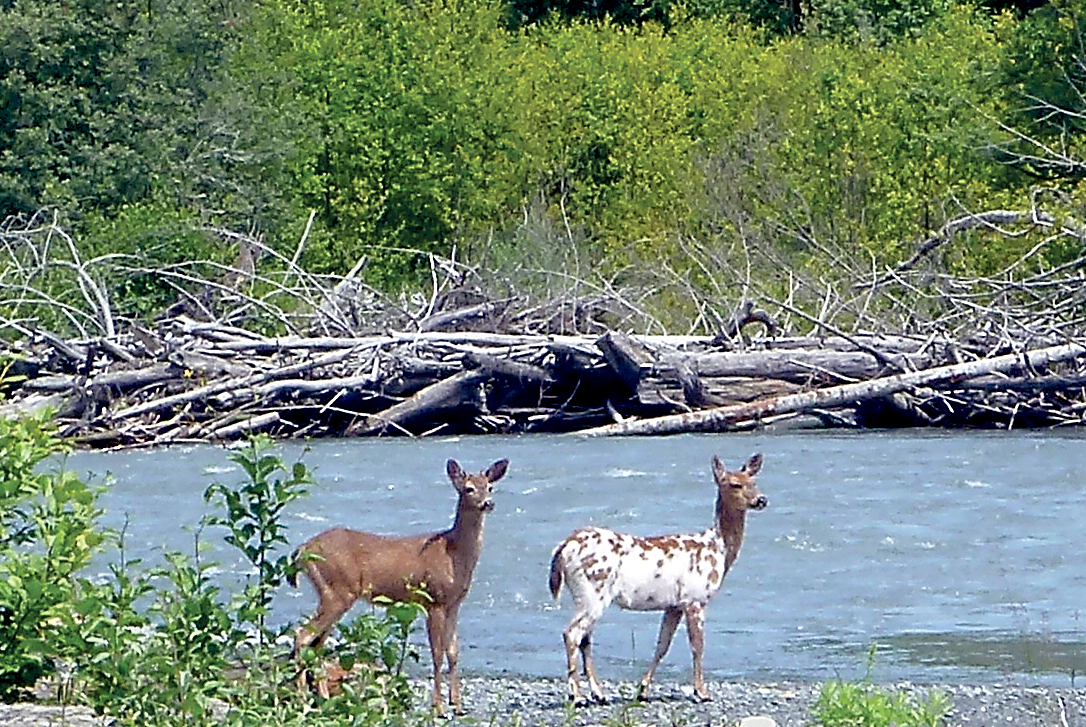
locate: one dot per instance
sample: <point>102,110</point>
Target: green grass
<point>865,704</point>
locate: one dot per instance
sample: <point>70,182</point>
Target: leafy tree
<point>106,104</point>
<point>879,21</point>
<point>1044,78</point>
<point>407,124</point>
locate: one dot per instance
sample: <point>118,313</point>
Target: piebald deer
<point>676,574</point>
<point>433,570</point>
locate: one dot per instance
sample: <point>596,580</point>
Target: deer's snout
<point>760,503</point>
<point>487,505</point>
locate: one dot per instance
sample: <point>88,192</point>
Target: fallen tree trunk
<point>454,393</point>
<point>728,416</point>
<point>795,366</point>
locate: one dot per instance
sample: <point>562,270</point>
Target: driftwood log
<point>519,350</point>
<point>191,381</point>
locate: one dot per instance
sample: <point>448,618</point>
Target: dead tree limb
<point>728,416</point>
<point>625,356</point>
<point>982,219</point>
<point>219,387</point>
<point>456,392</point>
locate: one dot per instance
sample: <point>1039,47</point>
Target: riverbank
<point>508,701</point>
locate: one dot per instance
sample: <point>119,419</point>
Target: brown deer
<point>432,570</point>
<point>676,574</point>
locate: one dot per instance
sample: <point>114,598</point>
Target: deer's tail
<point>557,571</point>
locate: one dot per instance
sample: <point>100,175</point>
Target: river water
<point>956,556</point>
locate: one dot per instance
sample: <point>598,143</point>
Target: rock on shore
<point>541,702</point>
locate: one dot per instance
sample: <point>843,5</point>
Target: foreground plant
<point>48,532</point>
<point>253,515</point>
<point>864,704</point>
<point>169,644</point>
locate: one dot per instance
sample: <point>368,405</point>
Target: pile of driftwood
<point>189,380</point>
<point>479,353</point>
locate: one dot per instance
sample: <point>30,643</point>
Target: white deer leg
<point>576,636</point>
<point>670,622</point>
<point>695,630</point>
<point>590,670</point>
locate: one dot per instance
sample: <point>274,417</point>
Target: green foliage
<point>1044,77</point>
<point>142,239</point>
<point>105,637</point>
<point>171,671</point>
<point>62,90</point>
<point>412,128</point>
<point>878,21</point>
<point>48,533</point>
<point>107,104</point>
<point>161,646</point>
<point>863,704</point>
<point>253,515</point>
<point>406,124</point>
<point>844,704</point>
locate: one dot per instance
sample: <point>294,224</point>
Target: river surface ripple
<point>958,556</point>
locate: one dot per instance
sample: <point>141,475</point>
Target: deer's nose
<point>487,505</point>
<point>760,503</point>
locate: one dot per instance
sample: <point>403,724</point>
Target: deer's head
<point>475,489</point>
<point>737,491</point>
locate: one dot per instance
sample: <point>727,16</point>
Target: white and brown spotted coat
<point>677,574</point>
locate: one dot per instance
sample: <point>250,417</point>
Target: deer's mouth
<point>760,503</point>
<point>487,506</point>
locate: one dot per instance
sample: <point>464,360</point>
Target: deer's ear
<point>496,471</point>
<point>719,471</point>
<point>456,473</point>
<point>754,464</point>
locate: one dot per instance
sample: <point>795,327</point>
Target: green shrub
<point>844,704</point>
<point>48,532</point>
<point>253,516</point>
<point>168,645</point>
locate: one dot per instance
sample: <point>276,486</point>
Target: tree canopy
<point>476,128</point>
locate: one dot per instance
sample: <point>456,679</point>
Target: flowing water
<point>957,556</point>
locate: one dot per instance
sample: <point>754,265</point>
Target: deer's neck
<point>729,527</point>
<point>466,536</point>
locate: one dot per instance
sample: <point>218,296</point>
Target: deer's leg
<point>452,653</point>
<point>331,605</point>
<point>670,622</point>
<point>435,628</point>
<point>578,638</point>
<point>330,609</point>
<point>695,630</point>
<point>590,670</point>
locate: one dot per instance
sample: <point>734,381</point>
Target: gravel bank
<point>508,701</point>
<point>500,701</point>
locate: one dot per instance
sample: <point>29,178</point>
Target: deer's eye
<point>470,489</point>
